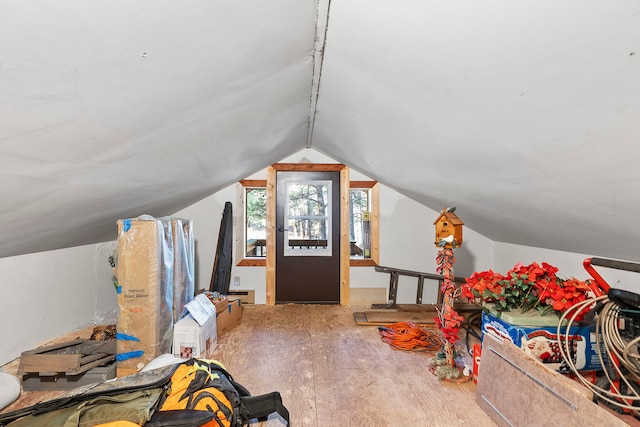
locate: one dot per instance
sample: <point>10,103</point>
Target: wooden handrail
<point>395,273</point>
<point>431,276</point>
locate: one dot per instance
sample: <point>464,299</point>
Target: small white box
<point>192,340</point>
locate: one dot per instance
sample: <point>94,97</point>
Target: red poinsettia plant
<point>526,288</point>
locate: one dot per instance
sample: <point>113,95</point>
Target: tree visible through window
<point>308,218</point>
<point>307,209</point>
<point>256,222</point>
<point>359,222</point>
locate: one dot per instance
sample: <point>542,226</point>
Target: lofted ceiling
<point>524,115</point>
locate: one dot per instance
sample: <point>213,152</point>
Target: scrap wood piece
<point>389,317</point>
<point>375,318</point>
<point>72,357</point>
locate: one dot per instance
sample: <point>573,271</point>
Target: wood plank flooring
<point>332,372</point>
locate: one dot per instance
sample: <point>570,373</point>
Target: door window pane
<point>308,218</point>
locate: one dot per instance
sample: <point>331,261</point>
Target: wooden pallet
<point>71,357</point>
<point>37,382</point>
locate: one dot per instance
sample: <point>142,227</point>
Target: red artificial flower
<point>527,286</point>
<point>549,269</point>
<point>479,281</point>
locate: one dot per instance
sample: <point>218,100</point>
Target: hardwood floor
<point>332,372</point>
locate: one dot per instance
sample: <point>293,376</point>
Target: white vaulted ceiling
<point>524,115</point>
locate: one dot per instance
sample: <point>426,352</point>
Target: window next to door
<point>364,227</point>
<point>253,232</point>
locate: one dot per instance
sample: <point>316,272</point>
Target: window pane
<point>256,222</point>
<point>308,218</point>
<point>359,208</point>
<point>307,228</point>
<point>307,199</point>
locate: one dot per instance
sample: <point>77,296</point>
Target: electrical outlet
<point>236,281</point>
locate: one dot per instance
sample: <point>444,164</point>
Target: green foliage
<point>257,208</point>
<point>514,292</point>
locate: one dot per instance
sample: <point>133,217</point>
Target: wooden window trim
<point>308,167</point>
<point>375,217</point>
<point>244,261</point>
<point>375,224</point>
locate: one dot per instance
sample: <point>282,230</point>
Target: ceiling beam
<point>322,24</point>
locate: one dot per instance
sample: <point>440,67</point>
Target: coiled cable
<point>618,354</point>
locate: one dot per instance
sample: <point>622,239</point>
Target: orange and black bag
<point>193,393</point>
<point>203,388</point>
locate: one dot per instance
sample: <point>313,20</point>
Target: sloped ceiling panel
<point>523,115</point>
<point>111,109</point>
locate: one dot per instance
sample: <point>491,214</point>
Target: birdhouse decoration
<point>448,321</point>
<point>448,229</point>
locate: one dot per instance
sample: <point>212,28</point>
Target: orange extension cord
<point>409,337</point>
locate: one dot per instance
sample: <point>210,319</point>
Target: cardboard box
<point>190,339</point>
<point>219,301</point>
<point>221,304</point>
<point>231,317</point>
<point>540,342</point>
<point>248,296</point>
<point>145,298</point>
<point>516,390</point>
<point>196,335</point>
<point>183,265</point>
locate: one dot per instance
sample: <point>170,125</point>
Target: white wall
<point>206,216</point>
<point>407,237</point>
<point>407,234</point>
<point>569,264</point>
<point>48,294</point>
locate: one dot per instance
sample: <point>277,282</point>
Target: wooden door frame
<point>345,255</point>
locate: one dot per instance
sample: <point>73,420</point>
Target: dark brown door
<point>308,237</point>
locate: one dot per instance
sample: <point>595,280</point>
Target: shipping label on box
<point>190,339</point>
<point>201,309</point>
<point>541,342</point>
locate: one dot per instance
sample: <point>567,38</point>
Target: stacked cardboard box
<point>248,296</point>
<point>230,316</point>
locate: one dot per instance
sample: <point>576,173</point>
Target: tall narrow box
<point>145,299</point>
<point>183,265</point>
